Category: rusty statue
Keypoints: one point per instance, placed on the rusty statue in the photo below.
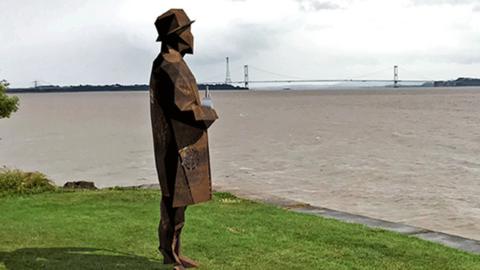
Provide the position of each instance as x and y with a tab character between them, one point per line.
179	123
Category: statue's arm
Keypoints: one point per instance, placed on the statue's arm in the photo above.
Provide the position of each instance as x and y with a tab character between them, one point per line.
199	114
205	114
187	85
179	92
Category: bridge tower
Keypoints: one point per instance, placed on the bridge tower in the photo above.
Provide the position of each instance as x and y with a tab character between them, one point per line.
395	76
245	72
228	78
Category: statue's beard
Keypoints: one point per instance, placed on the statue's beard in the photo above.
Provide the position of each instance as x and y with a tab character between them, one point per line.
185	48
182	45
185	44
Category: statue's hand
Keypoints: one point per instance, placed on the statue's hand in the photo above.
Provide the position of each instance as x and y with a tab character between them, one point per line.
205	114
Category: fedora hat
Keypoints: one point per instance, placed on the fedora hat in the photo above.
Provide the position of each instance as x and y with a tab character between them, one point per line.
171	22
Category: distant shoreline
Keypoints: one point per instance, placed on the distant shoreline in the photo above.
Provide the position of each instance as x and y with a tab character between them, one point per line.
460	82
109	88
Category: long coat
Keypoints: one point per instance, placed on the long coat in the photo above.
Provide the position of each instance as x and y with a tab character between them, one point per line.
180	124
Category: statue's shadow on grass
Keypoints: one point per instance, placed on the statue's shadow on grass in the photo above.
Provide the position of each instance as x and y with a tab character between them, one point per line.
72	258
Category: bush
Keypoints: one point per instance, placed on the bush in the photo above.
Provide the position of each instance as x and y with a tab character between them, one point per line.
16	181
8	105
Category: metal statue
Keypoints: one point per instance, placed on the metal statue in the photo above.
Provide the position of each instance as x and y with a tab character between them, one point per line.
179	123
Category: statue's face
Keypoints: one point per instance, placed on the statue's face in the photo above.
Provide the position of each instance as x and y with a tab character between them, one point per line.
185	44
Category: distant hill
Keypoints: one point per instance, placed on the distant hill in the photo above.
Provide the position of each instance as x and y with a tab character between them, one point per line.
458	82
114	87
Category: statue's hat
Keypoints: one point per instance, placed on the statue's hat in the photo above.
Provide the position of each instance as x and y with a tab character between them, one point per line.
171	22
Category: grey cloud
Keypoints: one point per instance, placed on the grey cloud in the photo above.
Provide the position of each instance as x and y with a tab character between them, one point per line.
317	27
316	5
467	54
440	2
324	5
97	47
247	39
248	43
93	58
452	57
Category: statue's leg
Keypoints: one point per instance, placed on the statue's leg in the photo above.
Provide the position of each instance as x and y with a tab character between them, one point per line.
171	225
179	223
166	230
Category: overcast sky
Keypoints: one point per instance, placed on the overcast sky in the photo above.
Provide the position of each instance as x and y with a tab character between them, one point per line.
113	41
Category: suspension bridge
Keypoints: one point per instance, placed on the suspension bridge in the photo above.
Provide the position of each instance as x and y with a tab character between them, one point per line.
395	81
285	79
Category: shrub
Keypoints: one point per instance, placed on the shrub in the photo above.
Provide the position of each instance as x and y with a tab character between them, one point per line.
17	181
8	105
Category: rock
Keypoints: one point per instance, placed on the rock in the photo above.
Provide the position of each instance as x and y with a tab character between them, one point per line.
80	185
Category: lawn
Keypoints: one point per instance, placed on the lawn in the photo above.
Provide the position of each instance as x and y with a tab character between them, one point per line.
116	229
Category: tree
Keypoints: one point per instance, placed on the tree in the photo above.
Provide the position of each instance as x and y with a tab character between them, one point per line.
8	104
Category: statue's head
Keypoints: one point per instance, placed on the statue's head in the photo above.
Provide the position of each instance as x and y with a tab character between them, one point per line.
174	30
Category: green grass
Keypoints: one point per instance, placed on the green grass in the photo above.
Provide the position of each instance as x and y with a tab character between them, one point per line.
116	229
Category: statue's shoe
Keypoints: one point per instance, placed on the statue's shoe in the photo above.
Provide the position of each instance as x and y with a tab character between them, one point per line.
178	267
188	263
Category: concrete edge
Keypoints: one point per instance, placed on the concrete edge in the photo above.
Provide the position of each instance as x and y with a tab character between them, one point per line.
458	242
453	241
